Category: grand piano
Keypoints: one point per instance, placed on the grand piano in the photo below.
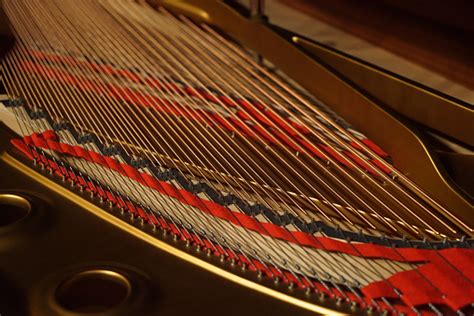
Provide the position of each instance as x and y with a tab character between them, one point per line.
205	157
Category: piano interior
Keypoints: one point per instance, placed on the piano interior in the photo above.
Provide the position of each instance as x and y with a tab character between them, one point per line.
190	157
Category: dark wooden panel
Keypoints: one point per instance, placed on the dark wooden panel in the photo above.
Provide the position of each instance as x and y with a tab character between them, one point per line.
438	37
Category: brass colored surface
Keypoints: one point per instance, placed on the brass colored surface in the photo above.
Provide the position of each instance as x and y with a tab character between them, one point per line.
460	168
409	99
191	10
15	200
410	154
173	279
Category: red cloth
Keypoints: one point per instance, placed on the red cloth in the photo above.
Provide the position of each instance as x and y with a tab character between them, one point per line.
440	276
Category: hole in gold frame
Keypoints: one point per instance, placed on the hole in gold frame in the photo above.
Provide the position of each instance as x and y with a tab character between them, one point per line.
13	208
93	291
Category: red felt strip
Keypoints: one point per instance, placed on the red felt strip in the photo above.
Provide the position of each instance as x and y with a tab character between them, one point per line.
249	108
413	283
376	149
282	124
381	166
312	150
379	289
416	289
269	119
21	146
363	164
336	155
